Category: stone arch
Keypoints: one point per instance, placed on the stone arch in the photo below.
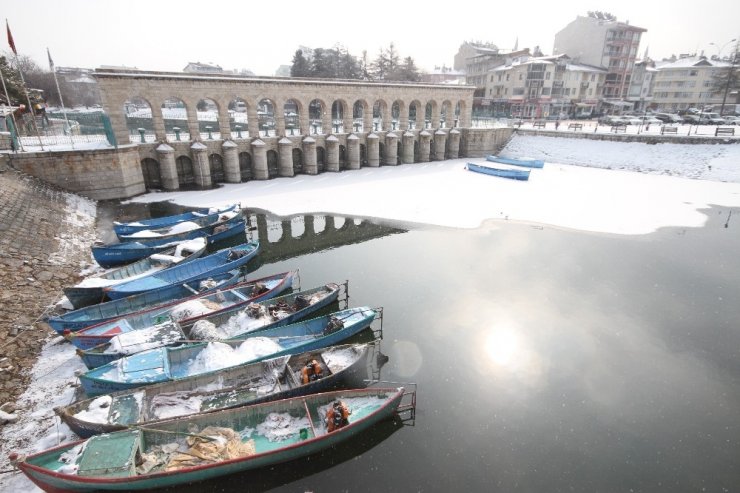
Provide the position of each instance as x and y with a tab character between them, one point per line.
175	116
273	164
152	176
297	161
339	108
292	115
429	111
320	158
206	111
445	115
359	108
217	168
137	112
380	114
316	110
416	115
185	172
397	110
238	117
266	117
246	168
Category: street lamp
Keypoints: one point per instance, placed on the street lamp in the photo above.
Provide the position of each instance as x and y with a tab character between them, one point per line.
730	72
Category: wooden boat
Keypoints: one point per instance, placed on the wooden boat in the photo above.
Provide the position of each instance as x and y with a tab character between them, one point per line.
175	363
94	314
514	174
277	378
127	228
221	261
114	254
239	440
129	336
90	290
528	163
185	310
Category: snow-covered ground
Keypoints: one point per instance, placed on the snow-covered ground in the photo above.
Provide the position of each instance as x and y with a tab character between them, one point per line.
598	186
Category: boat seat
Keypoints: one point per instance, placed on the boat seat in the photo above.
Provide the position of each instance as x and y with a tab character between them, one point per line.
111	456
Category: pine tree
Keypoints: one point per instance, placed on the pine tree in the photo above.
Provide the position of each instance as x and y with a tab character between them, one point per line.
12	83
301	65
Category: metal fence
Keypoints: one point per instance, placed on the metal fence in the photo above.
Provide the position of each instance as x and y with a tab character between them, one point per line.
58	130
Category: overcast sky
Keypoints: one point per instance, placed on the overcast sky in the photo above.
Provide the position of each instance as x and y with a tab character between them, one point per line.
262	35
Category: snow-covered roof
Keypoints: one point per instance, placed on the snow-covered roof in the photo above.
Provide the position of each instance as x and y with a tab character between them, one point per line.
691	61
582	67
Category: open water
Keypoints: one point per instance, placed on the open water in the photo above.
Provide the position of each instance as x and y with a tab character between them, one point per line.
546	360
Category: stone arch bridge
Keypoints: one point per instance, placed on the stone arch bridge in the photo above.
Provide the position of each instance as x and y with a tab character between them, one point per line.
264	127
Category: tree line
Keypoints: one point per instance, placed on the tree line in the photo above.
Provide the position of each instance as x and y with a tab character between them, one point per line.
338	63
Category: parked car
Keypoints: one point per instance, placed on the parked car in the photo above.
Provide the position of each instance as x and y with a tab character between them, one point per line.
650	120
668	117
695	119
612	120
714	119
732	120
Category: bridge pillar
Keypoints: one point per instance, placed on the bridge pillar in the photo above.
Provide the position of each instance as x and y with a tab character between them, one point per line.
367	120
308	226
309	156
407	145
202	169
420	117
231	162
167	167
424	140
224	125
253	124
193	127
286	231
353	145
453	144
440	144
332	153
347	122
280	124
285	150
373	150
158	123
262	229
303	120
326	121
391	149
435	116
403	118
259	153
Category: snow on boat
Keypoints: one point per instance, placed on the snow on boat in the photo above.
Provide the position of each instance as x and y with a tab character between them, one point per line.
135	334
175	363
128	228
221	261
91	289
136	247
94	314
200	447
241	385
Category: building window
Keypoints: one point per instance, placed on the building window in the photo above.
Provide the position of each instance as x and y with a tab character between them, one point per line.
507	77
520	76
693	73
545	91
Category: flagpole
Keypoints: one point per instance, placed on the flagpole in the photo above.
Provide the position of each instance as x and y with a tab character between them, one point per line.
25	89
12	115
61	101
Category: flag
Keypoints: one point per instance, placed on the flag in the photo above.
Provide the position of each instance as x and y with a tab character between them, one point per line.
10	38
51	62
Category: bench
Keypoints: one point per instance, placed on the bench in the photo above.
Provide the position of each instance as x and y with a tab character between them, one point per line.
575	126
538	125
729	131
668	130
618	129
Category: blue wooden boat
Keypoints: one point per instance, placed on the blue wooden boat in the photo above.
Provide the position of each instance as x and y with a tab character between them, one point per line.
113	254
186	310
513	174
127	228
132	335
221	261
194	224
528	163
175	363
109	461
242	385
75	320
91	289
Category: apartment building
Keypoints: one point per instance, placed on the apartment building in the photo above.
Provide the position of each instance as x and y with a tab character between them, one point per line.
544	87
600	40
640	92
687	83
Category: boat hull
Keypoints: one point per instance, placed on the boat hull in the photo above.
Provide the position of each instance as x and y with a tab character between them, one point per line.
527	163
50	480
512	174
129	228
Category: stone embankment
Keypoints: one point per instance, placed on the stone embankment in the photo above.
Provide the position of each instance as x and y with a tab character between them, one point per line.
45	235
